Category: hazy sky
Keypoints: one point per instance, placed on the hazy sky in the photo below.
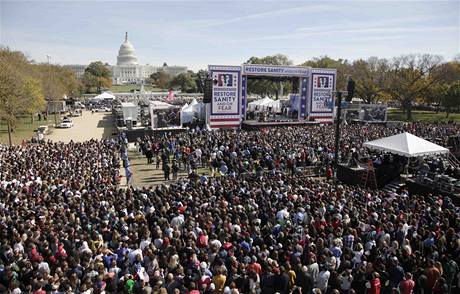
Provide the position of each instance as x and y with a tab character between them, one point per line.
197	33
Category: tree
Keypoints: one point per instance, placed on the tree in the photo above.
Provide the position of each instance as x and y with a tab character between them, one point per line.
269	87
184	82
200	78
33	89
369	76
410	76
451	97
97	76
20	93
160	79
342	66
450	73
10	95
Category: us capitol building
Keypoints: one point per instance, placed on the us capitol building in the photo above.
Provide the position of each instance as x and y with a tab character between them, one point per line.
128	70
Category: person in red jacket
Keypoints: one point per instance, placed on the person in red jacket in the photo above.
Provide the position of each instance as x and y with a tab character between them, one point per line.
407	285
373	286
329	172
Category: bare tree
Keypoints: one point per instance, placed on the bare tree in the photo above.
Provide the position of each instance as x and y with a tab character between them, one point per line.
410	76
370	78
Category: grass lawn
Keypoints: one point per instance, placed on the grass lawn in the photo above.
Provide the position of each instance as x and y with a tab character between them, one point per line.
24	129
129	88
428	116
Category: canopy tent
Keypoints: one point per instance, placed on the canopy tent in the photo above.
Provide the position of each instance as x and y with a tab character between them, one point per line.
275	106
265	103
103	96
407	145
160	105
186	114
195	105
192	110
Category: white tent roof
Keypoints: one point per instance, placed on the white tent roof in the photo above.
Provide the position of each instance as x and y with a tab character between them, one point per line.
194	102
160	105
407	145
104	95
264	101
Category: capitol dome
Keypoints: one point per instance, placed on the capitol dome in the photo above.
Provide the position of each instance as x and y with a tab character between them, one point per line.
126	54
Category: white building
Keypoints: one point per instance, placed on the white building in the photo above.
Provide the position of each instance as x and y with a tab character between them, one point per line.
128	70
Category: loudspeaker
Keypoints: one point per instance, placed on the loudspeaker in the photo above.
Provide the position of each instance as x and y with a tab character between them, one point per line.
207	95
350	89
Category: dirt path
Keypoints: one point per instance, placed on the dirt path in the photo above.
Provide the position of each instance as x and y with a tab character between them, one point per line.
88	126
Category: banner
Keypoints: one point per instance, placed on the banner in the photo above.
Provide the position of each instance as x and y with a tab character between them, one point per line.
275	70
322	99
225	93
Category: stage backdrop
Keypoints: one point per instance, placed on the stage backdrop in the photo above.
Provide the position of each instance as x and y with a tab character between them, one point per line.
225	110
321	100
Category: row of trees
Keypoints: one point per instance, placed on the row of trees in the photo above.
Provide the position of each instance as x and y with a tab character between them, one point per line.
405	79
25	86
189	82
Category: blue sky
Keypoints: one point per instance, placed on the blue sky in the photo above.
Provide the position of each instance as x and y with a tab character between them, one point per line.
197	33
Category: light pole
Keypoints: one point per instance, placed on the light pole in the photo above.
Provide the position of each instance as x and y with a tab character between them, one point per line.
337	129
349	95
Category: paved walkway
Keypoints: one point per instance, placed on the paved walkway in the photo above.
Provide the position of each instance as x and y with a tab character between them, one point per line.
88	126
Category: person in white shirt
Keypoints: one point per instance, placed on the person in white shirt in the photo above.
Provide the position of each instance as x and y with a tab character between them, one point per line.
323	280
345	280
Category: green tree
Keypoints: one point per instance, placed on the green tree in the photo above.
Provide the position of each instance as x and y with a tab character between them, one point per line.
269	87
20	92
97	76
342	65
33	89
184	82
160	79
451	97
200	78
369	76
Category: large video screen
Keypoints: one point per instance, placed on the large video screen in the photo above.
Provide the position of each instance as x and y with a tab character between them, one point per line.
166	118
374	113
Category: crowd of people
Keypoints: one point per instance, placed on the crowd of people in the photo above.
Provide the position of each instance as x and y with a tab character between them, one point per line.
259	227
287	149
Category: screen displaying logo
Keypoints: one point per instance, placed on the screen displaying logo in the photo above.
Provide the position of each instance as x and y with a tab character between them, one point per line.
323	82
225	80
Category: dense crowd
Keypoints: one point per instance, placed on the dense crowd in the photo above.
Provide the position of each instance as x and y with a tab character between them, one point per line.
66	227
275	149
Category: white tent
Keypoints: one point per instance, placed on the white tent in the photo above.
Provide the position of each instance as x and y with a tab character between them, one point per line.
195	105
407	145
186	114
160	105
275	106
262	104
104	95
